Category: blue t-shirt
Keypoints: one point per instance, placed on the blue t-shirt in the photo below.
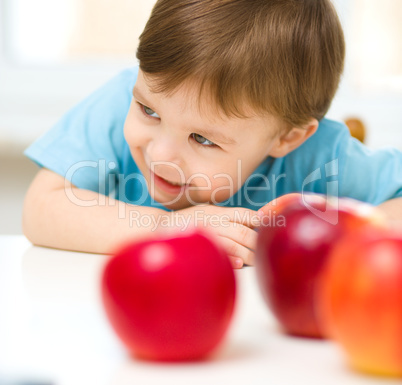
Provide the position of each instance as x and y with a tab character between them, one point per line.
87	147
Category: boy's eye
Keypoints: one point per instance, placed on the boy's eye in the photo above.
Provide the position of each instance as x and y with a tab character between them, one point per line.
201	140
148	111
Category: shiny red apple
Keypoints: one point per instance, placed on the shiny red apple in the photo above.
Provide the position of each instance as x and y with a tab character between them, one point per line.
170	299
360	301
292	250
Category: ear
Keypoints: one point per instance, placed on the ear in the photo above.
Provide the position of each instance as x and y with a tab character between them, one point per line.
292	139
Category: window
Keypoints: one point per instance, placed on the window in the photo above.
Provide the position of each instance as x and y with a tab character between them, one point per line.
376	44
46	32
53	53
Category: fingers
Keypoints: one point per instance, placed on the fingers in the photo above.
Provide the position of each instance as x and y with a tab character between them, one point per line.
233	228
239	215
235	232
239	242
237	263
237	250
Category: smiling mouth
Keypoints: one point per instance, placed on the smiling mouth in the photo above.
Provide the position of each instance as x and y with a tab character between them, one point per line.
172	183
166	184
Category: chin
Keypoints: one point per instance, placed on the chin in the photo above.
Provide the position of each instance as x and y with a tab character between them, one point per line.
182	203
171	203
177	205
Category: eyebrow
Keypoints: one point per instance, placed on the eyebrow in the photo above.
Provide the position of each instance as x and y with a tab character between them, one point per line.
214	136
139	95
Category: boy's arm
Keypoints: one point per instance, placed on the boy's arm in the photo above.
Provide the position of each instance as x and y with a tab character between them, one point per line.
60	215
57	214
392	209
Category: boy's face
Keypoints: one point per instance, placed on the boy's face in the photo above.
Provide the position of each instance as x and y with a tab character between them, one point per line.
188	155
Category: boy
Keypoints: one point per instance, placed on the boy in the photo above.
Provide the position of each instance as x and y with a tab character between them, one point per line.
226	114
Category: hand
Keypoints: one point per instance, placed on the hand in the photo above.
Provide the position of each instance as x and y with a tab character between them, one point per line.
233	228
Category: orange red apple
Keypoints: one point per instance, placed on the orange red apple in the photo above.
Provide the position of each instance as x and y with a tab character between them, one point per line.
360	301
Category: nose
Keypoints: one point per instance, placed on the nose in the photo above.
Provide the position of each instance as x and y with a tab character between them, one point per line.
163	153
163	148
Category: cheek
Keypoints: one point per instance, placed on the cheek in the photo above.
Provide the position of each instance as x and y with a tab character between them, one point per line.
234	174
218	182
134	131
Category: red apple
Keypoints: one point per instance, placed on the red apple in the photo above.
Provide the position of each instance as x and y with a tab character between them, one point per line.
279	203
170	299
292	249
360	301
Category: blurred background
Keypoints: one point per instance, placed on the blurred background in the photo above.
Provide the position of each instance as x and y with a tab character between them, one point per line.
53	53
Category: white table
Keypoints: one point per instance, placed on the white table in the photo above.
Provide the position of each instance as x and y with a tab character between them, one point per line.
53	331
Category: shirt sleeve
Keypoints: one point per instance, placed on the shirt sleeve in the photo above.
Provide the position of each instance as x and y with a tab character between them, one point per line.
86	145
369	175
334	163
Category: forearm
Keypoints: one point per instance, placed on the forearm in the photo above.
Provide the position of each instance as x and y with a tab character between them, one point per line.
85	221
393	210
59	215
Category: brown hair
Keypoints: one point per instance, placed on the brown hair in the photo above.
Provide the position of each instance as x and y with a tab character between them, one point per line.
283	57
